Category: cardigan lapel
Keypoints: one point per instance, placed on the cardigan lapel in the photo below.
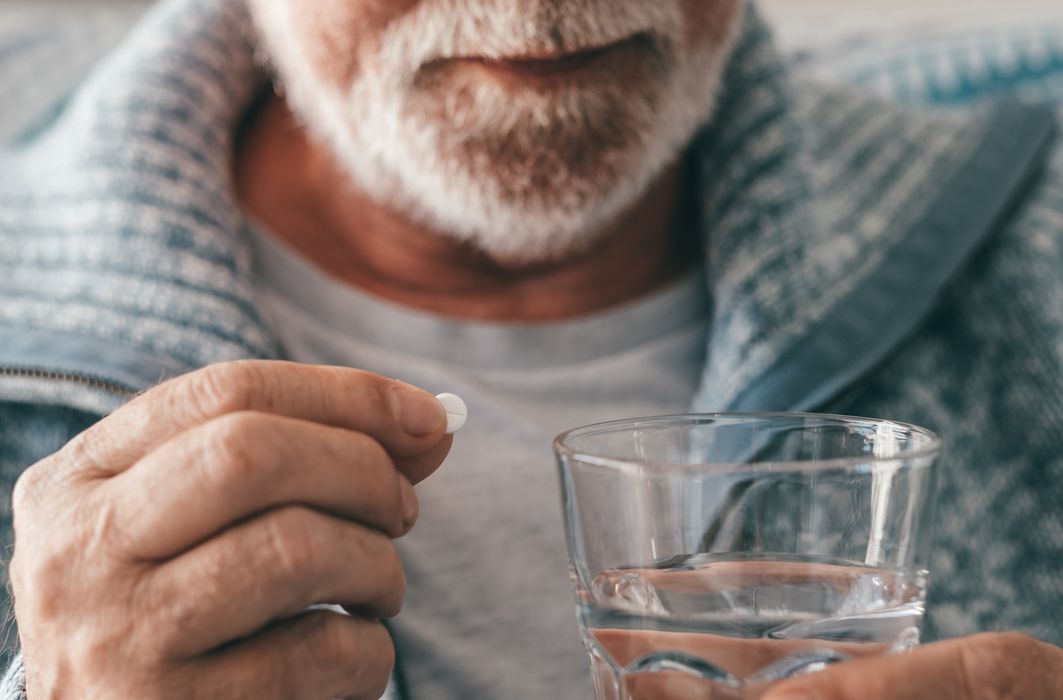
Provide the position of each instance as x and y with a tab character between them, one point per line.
833	221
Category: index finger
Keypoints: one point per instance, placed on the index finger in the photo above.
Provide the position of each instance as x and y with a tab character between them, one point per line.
406	420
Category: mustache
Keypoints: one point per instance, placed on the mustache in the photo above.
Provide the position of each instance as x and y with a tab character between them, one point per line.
504	29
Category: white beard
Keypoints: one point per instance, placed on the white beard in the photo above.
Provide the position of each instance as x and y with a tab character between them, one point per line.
490	165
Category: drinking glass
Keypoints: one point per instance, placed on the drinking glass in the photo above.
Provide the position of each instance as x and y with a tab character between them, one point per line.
713	555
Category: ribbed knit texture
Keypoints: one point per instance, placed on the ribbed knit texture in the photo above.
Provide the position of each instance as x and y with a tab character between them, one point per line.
930	51
987	371
146	173
121	249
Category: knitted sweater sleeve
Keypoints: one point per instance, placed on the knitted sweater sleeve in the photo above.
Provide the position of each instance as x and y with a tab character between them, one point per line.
48	48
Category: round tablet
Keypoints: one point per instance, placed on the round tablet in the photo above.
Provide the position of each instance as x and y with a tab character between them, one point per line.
457	412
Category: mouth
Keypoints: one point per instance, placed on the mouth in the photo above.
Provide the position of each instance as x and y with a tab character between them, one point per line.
546	66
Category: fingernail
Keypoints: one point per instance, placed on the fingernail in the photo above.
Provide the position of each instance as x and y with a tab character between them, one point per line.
410	505
418	412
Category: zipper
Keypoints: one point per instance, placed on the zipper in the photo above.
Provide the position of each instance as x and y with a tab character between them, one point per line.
112	388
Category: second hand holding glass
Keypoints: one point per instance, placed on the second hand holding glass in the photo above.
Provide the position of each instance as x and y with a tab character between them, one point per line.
713	555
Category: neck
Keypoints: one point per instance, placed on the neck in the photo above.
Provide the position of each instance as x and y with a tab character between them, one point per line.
292	186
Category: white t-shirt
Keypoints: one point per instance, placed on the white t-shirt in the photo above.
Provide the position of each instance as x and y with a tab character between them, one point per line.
489	610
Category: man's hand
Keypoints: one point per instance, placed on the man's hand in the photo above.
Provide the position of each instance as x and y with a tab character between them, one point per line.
985	667
171	551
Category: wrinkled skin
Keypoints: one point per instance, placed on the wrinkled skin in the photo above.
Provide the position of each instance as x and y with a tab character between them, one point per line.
172	550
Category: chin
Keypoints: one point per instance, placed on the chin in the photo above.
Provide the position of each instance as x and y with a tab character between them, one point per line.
525	175
525	164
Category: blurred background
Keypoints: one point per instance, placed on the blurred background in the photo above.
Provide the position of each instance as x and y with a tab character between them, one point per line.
937	50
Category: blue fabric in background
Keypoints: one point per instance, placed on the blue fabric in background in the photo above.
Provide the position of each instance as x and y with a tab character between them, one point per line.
1026	65
921	60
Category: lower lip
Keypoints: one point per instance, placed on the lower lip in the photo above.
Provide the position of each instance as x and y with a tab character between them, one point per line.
569	66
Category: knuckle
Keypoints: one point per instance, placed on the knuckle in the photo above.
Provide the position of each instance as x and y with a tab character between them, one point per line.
102	533
222	388
98	647
1013	643
377	676
233	444
407	520
36	482
80	453
381	391
337	643
380	484
44	556
50	572
39	585
380	398
393	576
26	494
365	653
296	546
988	664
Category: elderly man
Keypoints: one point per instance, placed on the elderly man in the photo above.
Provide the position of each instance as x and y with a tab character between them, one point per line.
565	211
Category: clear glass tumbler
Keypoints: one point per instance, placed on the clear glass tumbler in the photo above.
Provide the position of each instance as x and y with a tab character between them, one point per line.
713	555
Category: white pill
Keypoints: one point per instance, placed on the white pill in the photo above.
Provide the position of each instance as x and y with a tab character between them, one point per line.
457	412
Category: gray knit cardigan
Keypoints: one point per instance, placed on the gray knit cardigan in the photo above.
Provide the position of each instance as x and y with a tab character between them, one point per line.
863	258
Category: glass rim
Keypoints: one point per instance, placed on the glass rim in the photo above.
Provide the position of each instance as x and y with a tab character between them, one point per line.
931	449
